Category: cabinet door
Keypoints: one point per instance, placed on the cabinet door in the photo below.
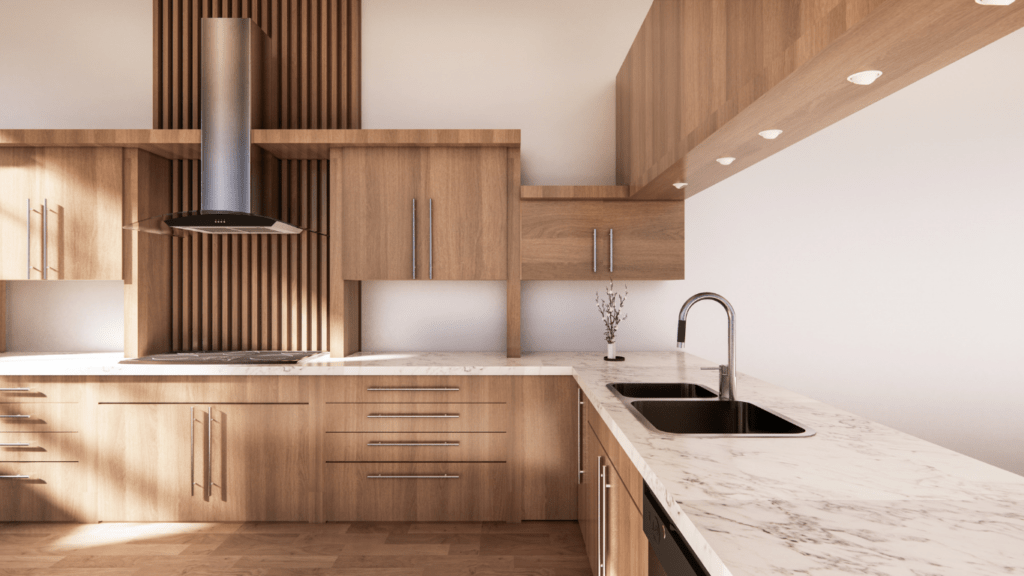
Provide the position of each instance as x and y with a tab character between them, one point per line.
464	220
21	226
259	463
641	241
627	543
83	188
149	458
588	504
560	240
378	186
546	417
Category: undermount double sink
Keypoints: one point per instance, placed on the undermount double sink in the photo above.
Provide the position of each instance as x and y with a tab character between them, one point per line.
693	410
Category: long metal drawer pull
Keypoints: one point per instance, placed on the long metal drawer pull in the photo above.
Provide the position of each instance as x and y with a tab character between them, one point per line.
46	211
412	444
15	389
14	445
611	250
430	237
412	415
17	476
595	250
412	389
414	477
14	416
413	238
28	226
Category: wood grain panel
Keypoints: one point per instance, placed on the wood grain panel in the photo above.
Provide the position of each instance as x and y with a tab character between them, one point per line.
418	389
51	493
703	77
545	416
149	295
575	192
41	447
248	292
41	417
40	389
479	493
513	290
203	390
415	447
3	316
416	417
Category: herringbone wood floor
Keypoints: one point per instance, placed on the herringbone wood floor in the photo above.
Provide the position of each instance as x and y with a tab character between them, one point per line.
369	549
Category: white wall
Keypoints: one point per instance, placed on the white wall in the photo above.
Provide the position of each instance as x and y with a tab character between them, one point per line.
879	265
73	64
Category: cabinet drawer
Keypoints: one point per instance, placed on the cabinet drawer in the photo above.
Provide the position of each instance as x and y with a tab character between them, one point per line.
416	417
415	447
40	447
418	389
35	389
423	492
38	417
39	492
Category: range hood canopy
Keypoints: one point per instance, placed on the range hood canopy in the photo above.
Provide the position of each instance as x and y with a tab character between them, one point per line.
240	182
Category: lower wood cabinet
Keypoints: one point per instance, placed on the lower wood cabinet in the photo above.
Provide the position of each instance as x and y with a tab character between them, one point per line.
612	523
232	462
424	491
41	491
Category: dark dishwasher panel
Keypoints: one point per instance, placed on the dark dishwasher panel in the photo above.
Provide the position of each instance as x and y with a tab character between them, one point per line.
667	546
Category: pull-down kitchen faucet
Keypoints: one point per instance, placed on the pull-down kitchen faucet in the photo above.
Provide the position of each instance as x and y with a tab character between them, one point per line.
727	373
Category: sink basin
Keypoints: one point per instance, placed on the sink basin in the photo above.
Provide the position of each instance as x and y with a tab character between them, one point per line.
715	418
673	390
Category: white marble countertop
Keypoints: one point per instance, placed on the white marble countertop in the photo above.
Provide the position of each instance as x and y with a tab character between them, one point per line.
856	498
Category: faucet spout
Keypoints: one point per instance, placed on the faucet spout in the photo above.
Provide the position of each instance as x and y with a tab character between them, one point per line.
727	378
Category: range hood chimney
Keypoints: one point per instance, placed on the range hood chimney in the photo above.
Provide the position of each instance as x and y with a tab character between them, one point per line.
240	184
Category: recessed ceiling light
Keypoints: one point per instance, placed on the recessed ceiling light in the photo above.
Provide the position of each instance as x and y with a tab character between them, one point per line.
726	161
864	78
994	2
680	185
770	134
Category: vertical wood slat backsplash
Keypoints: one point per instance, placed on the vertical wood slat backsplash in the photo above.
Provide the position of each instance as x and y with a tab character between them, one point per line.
262	292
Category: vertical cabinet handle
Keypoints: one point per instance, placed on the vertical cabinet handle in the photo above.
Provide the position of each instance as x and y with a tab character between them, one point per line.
28	226
611	250
192	447
602	518
579	436
430	237
46	212
209	455
595	250
413	238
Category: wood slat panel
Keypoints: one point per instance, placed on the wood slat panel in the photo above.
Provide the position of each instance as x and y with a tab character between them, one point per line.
241	292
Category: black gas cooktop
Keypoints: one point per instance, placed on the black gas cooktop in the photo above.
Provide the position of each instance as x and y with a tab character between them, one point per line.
238	357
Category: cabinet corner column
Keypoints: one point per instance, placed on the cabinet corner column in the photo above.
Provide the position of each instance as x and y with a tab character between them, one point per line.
345	295
514	294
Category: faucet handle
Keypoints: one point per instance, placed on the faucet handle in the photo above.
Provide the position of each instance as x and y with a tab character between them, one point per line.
722	369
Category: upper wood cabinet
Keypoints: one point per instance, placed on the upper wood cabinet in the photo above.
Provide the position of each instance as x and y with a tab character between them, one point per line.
66	201
423	213
593	240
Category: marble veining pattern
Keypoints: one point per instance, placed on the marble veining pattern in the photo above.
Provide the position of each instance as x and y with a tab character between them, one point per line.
856	498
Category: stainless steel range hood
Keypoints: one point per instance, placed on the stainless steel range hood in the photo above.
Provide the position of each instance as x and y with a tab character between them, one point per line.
240	183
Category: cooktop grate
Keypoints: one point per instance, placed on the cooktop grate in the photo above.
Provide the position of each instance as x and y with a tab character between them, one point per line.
235	357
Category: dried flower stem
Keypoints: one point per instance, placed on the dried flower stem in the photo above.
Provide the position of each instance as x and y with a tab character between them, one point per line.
611	310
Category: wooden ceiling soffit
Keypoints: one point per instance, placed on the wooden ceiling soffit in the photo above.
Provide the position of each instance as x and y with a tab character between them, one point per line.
704	77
